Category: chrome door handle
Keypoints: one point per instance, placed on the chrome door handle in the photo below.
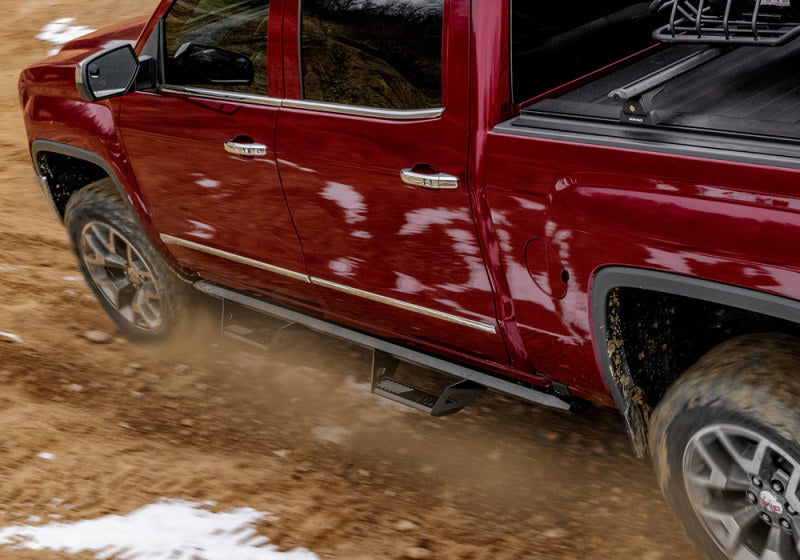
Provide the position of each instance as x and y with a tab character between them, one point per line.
247	149
430	181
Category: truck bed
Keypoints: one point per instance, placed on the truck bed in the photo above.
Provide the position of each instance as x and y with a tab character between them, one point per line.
748	92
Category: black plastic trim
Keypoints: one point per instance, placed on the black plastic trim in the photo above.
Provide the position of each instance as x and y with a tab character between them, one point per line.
708	145
610	278
39	146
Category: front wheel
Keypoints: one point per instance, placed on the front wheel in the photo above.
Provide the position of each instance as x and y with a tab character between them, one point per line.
725	445
133	282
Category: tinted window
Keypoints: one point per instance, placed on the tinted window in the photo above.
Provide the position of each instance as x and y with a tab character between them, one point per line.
555	42
239	26
373	53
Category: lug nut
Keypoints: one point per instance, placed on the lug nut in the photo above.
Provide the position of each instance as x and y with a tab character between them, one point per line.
751	497
777	486
790	510
765	518
757	481
785	524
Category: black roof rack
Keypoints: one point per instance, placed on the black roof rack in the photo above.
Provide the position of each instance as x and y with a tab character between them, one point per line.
732	22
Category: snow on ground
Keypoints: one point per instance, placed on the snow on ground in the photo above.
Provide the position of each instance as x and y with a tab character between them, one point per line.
11	336
172	529
61	31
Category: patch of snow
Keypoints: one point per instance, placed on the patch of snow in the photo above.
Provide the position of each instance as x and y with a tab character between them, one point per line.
173	529
332	434
73	293
74	279
61	31
46	456
11	337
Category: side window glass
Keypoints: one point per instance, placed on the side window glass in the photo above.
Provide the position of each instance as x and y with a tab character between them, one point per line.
218	44
373	53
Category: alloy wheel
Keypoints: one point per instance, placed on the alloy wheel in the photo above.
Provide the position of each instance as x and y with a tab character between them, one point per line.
121	275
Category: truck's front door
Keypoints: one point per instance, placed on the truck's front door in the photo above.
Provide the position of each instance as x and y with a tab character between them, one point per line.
220	212
375	88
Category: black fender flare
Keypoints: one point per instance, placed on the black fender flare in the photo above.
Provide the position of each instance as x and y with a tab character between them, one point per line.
38	146
606	328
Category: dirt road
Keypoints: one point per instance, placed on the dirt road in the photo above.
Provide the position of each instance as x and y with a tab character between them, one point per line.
347	474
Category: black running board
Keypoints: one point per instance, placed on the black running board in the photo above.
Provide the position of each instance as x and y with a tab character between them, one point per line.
454	398
516	389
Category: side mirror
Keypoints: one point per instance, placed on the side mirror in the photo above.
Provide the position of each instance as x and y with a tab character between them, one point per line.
109	73
214	66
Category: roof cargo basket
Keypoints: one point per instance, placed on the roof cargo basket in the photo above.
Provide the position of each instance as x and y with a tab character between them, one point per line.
732	22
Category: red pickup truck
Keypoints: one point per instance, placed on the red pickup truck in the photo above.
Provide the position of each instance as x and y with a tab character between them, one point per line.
569	202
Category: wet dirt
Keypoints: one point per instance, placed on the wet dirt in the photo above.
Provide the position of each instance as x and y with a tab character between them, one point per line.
348	474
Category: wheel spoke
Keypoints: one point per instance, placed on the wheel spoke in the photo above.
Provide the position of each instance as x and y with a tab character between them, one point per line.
129	256
748	466
101	255
143	310
736	524
113	288
719	478
105	240
791	490
115	261
97	248
144	273
778	545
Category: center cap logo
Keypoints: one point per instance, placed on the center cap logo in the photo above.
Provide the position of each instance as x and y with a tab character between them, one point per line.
770	502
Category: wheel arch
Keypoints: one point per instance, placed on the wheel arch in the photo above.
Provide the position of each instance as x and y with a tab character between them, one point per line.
40	148
609	337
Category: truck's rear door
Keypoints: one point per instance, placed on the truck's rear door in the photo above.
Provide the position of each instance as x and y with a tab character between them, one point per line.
375	88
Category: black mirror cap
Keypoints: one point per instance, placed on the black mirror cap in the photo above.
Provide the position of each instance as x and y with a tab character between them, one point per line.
109	73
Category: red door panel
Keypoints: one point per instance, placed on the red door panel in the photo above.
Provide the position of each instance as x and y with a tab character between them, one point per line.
198	192
386	253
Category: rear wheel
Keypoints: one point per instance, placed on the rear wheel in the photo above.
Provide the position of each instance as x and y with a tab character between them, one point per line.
724	441
130	278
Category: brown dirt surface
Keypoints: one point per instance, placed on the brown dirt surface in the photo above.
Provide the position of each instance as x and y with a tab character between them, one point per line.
296	434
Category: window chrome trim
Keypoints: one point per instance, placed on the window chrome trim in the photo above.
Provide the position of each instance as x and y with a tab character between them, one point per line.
405	305
223	95
359	111
170	240
319	106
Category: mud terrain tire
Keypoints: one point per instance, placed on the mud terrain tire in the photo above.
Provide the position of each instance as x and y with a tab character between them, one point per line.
724	442
139	290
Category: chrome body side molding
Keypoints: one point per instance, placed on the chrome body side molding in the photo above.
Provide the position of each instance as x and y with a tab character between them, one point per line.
441	315
477	325
170	240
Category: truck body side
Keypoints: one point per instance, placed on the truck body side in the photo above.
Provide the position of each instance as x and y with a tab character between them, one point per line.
551	217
